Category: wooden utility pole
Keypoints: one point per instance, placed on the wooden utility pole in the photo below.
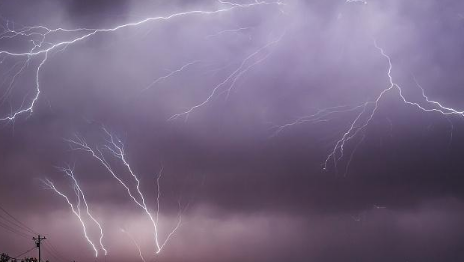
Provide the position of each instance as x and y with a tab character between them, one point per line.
38	241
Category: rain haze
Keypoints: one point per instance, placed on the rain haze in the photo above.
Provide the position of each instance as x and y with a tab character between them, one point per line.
232	131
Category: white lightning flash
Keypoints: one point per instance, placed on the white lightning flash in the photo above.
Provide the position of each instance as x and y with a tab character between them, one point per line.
69	172
75	209
116	149
366	113
364	118
43	44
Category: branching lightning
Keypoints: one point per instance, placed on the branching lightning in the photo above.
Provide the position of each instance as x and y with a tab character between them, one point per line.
75	209
365	115
69	172
42	46
250	61
41	50
115	148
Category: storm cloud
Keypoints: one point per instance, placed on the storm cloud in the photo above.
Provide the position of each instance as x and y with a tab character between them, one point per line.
246	192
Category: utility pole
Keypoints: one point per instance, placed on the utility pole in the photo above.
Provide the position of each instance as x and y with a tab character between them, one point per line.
38	241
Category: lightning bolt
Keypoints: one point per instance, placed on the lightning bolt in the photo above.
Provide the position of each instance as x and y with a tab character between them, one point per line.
366	113
41	47
359	124
115	148
75	209
69	172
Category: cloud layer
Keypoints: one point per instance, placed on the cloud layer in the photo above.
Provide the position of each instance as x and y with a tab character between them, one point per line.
251	195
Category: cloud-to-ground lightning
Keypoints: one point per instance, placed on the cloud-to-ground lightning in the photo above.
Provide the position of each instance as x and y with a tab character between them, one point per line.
43	45
115	148
69	172
307	43
75	208
41	50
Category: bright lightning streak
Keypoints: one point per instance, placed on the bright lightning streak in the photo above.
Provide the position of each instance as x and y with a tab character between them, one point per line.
359	125
82	145
30	108
116	148
366	114
69	172
75	210
42	48
436	106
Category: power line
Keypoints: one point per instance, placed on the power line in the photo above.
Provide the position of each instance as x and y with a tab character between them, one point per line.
20	223
14	224
54	252
17	257
57	252
51	253
13	227
13	230
18	228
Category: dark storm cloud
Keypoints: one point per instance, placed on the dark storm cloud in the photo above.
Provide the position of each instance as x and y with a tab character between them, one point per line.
90	13
253	196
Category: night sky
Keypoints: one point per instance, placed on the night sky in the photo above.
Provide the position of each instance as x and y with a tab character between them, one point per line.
271	129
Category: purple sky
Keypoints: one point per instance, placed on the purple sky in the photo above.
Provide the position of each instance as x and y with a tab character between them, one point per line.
246	189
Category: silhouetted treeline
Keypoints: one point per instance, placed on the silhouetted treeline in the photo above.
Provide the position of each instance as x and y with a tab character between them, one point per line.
6	258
